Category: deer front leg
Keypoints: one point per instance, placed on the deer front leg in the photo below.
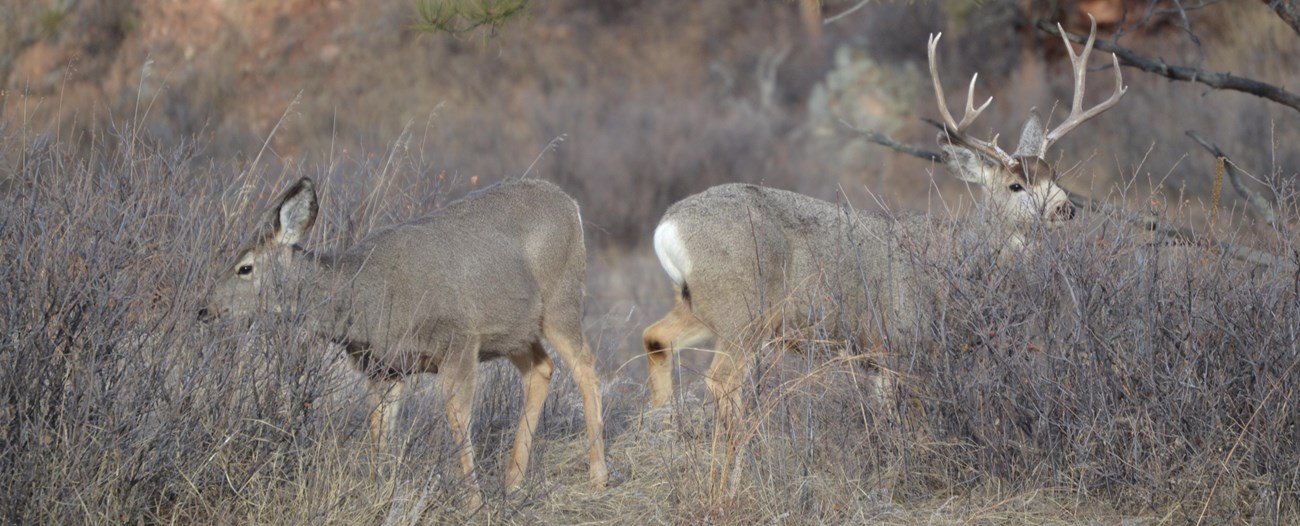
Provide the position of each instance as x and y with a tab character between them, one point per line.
385	403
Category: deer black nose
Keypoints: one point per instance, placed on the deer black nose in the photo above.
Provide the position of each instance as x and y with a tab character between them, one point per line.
205	315
1065	211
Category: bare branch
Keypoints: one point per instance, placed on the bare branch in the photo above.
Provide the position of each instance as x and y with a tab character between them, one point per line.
828	20
1210	78
889	142
1260	204
1187	26
1288	11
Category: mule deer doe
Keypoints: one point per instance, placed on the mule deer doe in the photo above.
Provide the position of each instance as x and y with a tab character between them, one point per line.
738	254
485	277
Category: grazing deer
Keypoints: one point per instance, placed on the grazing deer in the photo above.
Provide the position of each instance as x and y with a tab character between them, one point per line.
485	277
742	257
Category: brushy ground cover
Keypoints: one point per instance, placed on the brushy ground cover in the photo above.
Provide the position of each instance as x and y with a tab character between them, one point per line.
1098	377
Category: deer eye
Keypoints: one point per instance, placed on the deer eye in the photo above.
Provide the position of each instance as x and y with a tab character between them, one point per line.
244	270
1015	187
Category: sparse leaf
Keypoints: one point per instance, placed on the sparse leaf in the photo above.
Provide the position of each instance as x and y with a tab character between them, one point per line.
462	16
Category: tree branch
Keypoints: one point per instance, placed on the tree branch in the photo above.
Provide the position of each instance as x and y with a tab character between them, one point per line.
887	141
828	20
1213	79
1288	11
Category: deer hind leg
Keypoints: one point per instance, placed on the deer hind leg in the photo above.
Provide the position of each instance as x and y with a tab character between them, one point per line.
565	333
385	402
536	368
678	329
459	378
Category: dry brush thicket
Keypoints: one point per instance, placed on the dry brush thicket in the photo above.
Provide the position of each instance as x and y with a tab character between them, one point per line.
1102	376
1100	371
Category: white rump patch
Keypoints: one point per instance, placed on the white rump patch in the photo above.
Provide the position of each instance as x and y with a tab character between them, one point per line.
672	252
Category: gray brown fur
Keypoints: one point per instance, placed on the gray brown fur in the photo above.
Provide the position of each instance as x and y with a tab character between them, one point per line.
767	262
488	276
752	264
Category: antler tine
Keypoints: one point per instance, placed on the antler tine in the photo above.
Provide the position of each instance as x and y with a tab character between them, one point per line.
972	112
1079	65
958	129
938	86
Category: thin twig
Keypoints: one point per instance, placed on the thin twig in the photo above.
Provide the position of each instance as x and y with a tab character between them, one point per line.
550	147
828	20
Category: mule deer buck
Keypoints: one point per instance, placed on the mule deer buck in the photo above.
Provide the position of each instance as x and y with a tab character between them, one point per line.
741	257
485	277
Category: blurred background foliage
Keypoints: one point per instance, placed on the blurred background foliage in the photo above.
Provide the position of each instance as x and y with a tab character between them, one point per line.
653	100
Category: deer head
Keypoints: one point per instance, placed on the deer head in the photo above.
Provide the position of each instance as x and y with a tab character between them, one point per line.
267	264
1020	186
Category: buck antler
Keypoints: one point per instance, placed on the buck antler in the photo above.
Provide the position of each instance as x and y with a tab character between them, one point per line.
957	130
1079	64
1077	115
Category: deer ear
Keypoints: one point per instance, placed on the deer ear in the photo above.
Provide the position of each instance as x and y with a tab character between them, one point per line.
1031	137
296	213
968	165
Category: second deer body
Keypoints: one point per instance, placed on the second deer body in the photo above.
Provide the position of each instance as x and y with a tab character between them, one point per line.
749	263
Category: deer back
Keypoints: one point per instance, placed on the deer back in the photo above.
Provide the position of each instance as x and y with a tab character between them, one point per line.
740	253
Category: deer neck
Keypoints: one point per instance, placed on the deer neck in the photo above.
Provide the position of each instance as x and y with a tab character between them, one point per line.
322	298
